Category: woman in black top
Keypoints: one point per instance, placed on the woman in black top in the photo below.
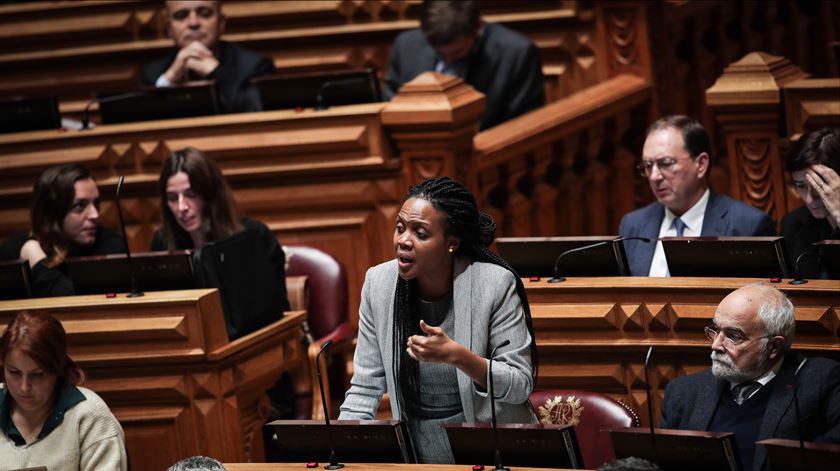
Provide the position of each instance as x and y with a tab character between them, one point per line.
198	214
65	223
814	164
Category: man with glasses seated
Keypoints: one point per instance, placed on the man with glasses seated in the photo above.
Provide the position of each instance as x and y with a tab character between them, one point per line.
676	159
749	389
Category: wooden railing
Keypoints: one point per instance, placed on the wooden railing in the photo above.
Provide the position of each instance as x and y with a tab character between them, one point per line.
565	169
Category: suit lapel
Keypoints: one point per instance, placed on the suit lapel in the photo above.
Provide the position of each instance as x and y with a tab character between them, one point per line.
706	404
781	399
714	222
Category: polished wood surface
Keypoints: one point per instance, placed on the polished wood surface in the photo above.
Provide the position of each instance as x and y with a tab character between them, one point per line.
163	364
364	466
593	333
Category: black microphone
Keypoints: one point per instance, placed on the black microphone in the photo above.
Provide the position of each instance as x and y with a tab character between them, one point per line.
333	463
498	453
796	410
557	278
797	271
650	404
321	104
134	291
108	99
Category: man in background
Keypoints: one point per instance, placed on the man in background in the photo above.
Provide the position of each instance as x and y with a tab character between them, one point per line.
500	63
199	54
676	160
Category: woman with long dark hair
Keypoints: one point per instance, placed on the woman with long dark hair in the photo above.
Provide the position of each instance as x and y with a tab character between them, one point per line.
64	221
199	211
46	418
430	318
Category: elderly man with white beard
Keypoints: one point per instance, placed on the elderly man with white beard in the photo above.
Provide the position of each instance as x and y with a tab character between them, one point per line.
749	388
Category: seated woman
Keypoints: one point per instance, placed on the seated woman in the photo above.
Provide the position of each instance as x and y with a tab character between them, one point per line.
198	211
814	164
430	318
45	418
65	223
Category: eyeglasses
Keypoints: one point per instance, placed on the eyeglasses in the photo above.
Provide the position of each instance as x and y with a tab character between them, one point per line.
730	338
664	164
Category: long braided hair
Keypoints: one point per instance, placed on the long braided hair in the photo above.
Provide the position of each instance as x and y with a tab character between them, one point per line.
475	231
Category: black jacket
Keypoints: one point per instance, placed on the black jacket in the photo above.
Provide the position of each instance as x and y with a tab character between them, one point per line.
801	230
52	281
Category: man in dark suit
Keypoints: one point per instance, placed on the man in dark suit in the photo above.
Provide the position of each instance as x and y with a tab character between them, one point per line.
199	55
676	161
749	389
500	63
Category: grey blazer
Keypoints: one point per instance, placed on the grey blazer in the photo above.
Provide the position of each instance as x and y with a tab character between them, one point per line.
487	312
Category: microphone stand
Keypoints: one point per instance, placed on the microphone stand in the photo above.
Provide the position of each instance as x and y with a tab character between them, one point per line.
134	290
558	279
333	463
798	279
796	409
650	404
498	453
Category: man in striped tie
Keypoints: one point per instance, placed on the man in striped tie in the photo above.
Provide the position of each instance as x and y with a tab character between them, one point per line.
749	388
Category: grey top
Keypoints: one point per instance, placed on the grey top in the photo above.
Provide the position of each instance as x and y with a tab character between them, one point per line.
487	311
440	400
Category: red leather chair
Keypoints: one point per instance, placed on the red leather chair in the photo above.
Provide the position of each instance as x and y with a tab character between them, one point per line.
591	413
328	320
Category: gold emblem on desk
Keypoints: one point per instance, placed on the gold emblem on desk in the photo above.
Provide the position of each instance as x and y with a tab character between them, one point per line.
561	412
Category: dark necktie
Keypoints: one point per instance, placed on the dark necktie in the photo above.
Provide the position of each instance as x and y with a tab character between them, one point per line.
743	391
679	225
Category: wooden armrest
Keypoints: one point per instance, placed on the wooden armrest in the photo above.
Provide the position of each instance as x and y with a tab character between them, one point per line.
297	290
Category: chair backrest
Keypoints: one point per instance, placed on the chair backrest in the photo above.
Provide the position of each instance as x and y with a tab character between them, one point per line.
327	286
591	413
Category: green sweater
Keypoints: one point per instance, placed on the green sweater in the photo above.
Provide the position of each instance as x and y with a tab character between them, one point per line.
84	436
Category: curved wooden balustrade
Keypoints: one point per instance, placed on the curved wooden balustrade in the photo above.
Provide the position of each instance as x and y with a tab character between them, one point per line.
565	169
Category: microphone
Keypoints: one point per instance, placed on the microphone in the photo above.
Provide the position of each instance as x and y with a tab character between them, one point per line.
498	453
321	104
333	463
108	99
650	404
558	279
797	272
134	291
796	410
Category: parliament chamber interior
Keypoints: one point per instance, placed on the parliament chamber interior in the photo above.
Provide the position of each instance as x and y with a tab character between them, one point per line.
325	160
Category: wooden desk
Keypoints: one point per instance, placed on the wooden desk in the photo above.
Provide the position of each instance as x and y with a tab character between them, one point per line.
593	333
364	466
164	365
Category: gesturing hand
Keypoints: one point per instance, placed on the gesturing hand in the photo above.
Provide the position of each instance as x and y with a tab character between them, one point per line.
826	183
434	347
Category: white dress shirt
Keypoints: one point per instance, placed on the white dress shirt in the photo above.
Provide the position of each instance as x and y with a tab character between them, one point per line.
693	219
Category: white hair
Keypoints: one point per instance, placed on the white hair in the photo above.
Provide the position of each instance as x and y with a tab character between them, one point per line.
776	312
197	463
